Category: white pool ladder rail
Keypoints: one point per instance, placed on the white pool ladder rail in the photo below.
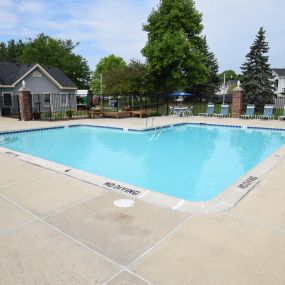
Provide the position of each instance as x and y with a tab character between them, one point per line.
157	128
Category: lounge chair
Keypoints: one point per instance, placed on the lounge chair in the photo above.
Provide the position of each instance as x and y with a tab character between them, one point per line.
224	111
267	112
249	114
188	111
171	111
210	111
282	117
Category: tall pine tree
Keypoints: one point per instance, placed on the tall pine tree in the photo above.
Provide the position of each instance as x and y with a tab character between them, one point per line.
257	74
208	89
174	50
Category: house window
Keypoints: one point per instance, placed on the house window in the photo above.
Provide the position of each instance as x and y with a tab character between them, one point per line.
47	100
7	99
63	99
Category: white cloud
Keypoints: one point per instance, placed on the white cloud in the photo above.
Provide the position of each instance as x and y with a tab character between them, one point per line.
30	7
8	21
112	26
231	27
4	4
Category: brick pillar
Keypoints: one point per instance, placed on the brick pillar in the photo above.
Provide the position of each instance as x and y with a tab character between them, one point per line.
238	93
25	103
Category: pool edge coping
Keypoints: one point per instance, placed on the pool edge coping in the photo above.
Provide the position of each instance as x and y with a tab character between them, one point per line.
225	200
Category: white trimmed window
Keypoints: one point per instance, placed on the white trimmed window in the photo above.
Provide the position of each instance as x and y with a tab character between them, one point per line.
63	99
7	99
47	99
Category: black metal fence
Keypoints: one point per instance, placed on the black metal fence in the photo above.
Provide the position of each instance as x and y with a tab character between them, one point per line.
9	105
69	106
56	107
149	104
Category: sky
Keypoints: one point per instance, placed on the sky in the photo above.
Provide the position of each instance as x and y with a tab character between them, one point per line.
104	27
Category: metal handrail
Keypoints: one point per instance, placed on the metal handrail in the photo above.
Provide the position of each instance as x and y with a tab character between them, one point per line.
146	122
157	130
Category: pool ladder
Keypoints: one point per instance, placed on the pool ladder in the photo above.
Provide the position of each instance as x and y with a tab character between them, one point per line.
157	128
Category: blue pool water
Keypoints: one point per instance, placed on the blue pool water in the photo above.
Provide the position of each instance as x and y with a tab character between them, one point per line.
191	162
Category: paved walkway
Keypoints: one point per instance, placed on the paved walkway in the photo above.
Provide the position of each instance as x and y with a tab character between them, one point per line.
58	230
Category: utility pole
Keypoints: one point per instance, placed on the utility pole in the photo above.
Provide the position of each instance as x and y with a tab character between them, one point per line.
224	89
101	89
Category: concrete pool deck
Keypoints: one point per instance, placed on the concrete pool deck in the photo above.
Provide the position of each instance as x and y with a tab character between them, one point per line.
55	229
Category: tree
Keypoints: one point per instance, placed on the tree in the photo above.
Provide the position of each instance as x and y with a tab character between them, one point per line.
3	51
106	64
11	51
130	79
229	75
208	89
256	73
48	51
174	50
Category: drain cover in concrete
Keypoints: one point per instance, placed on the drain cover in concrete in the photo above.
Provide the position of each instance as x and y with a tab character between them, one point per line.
124	203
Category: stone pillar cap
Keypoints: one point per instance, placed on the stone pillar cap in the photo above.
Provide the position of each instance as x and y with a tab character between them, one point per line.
24	88
238	88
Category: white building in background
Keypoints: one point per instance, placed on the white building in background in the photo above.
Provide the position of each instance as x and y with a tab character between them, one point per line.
279	81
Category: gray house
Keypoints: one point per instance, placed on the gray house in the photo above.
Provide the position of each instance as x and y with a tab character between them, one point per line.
51	89
279	81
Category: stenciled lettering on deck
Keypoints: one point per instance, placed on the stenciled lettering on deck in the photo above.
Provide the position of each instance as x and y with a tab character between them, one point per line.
121	188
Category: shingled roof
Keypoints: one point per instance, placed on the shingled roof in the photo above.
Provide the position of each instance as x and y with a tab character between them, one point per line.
12	72
279	71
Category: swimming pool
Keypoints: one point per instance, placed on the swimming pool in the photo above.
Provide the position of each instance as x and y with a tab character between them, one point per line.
191	162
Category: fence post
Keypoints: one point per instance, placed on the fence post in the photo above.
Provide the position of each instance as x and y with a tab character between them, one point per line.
19	113
167	105
25	103
157	104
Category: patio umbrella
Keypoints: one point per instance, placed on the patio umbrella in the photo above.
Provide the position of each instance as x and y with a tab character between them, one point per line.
180	94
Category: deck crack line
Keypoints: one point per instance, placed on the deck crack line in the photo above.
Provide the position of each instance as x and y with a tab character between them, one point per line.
205	208
22	182
18	227
252	221
74	239
161	240
223	202
73	205
112	277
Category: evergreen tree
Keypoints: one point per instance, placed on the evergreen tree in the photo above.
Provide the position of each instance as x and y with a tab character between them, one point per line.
257	75
209	88
174	50
11	51
3	51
